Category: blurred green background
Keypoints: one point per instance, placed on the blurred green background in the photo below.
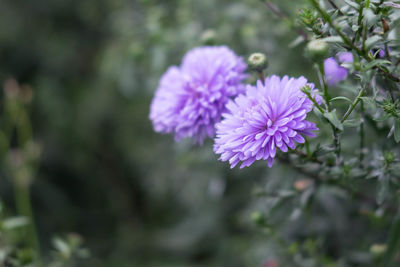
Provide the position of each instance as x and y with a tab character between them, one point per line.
136	197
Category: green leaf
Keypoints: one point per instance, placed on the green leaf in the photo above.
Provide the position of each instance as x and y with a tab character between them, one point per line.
333	39
383	189
372	41
15	222
381	119
376	62
397	130
332	118
391	4
340	98
62	246
369	103
370	17
352	123
296	42
352	4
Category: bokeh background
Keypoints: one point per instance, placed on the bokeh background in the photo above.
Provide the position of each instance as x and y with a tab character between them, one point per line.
136	197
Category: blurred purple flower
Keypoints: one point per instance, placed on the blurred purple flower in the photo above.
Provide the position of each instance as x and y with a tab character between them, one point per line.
382	52
191	98
334	73
269	116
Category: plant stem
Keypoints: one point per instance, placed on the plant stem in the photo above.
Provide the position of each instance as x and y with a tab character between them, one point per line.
333	4
362	135
315	103
24	208
353	105
327	97
307	145
321	75
22	173
261	76
274	9
359	23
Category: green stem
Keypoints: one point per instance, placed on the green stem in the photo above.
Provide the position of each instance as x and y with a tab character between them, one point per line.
321	74
359	23
314	101
362	135
353	105
19	120
307	145
24	208
261	76
327	97
336	144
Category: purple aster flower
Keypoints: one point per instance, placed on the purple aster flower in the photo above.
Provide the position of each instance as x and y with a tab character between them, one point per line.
335	73
269	116
191	98
382	52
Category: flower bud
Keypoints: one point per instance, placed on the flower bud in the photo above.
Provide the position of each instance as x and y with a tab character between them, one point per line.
11	88
209	37
257	218
389	157
317	50
391	108
385	26
258	62
378	249
303	184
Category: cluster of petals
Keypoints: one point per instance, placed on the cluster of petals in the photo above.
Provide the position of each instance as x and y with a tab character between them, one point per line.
269	116
190	98
334	72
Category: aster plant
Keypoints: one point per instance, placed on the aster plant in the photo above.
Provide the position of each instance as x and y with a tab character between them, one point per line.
270	116
354	49
191	98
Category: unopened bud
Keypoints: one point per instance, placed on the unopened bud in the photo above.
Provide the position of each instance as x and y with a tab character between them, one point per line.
317	50
303	184
389	157
209	37
385	26
258	62
11	88
257	218
378	249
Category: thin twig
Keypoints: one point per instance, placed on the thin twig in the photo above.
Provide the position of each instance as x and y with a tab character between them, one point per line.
275	9
333	4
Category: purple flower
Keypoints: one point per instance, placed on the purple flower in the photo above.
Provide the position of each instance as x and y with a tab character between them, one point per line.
191	98
382	52
269	116
334	73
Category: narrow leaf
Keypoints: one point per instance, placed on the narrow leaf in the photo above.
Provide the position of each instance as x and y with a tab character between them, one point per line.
332	118
340	98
